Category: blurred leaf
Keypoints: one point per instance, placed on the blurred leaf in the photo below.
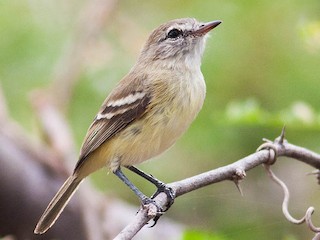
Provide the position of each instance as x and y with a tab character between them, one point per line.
200	235
249	111
310	33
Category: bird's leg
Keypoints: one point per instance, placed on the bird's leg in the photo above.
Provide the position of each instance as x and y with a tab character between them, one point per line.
143	198
161	187
124	179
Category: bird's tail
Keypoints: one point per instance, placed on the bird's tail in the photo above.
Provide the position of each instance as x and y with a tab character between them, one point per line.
57	204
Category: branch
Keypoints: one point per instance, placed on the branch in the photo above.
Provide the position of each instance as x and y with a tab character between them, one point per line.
88	30
234	172
26	182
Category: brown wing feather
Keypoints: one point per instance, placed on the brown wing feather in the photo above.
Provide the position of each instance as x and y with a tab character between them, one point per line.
119	117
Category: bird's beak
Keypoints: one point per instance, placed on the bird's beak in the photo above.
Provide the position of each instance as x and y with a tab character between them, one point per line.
206	27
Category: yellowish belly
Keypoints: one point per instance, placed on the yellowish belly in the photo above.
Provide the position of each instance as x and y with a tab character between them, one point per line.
149	136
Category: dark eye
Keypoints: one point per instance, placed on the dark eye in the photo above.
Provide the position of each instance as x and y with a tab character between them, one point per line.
174	33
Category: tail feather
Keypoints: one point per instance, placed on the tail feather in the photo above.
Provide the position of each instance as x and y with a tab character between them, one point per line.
57	204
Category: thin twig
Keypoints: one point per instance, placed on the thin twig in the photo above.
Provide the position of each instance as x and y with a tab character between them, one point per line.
285	204
316	236
283	148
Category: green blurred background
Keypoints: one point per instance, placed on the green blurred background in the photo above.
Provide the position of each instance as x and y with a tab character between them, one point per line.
262	69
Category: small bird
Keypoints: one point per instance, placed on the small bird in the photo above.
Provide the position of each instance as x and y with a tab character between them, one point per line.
144	115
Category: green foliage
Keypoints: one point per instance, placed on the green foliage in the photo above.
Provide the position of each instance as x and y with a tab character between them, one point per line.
199	235
250	111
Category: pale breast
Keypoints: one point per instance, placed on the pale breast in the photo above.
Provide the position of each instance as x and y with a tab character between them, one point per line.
168	119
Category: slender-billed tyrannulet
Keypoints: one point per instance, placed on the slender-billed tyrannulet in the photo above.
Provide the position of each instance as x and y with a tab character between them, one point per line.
150	108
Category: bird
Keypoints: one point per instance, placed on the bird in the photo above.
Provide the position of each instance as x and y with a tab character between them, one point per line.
145	114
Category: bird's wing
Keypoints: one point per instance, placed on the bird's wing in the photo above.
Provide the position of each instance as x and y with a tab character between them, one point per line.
117	112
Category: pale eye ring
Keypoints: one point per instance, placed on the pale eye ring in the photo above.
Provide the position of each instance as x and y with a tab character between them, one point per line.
174	33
